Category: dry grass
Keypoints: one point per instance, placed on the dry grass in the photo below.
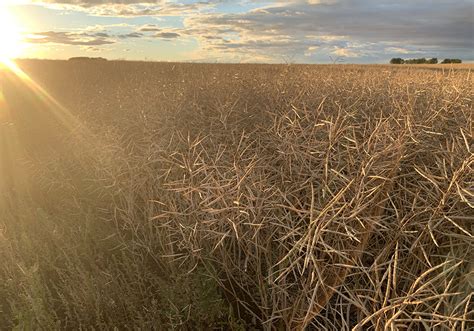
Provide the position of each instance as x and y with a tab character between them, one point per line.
236	196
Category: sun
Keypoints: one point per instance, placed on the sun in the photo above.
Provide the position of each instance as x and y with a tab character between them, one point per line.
11	44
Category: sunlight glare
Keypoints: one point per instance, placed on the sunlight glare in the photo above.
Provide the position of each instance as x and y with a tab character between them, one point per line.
11	44
58	110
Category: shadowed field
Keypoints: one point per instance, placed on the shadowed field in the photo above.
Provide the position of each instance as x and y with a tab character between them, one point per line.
198	196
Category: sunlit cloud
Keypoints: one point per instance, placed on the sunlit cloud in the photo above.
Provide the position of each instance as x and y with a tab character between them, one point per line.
130	8
70	38
401	50
345	52
313	31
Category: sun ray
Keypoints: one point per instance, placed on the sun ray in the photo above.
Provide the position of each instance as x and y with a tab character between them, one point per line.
43	96
36	109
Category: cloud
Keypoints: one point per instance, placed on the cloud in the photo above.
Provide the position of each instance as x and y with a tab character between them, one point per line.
69	38
95	36
311	51
150	28
307	30
167	35
345	52
130	8
83	38
401	50
92	49
130	35
102	35
89	3
347	28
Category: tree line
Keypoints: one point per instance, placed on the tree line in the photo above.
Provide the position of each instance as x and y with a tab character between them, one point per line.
85	58
397	60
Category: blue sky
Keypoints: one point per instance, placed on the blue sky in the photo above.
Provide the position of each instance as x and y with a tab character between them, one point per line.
306	31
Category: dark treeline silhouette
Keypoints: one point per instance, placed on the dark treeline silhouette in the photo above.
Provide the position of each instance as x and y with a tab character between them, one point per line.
452	61
398	60
421	61
85	58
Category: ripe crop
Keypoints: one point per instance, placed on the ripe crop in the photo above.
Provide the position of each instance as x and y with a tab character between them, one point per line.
199	196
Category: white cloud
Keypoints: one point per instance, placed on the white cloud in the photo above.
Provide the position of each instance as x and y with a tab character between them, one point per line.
400	50
311	51
345	52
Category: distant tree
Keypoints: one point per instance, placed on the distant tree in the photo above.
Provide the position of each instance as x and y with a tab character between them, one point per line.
416	61
397	60
451	61
433	60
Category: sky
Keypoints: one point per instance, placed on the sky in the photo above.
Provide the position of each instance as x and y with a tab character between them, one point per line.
293	31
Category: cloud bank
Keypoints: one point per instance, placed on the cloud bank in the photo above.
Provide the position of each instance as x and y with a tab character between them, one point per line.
307	30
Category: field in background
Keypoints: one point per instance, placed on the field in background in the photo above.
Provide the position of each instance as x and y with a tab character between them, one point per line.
198	196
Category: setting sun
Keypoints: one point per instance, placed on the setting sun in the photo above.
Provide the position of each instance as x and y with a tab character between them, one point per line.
10	35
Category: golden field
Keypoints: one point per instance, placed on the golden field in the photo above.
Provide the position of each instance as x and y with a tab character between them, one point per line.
142	195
